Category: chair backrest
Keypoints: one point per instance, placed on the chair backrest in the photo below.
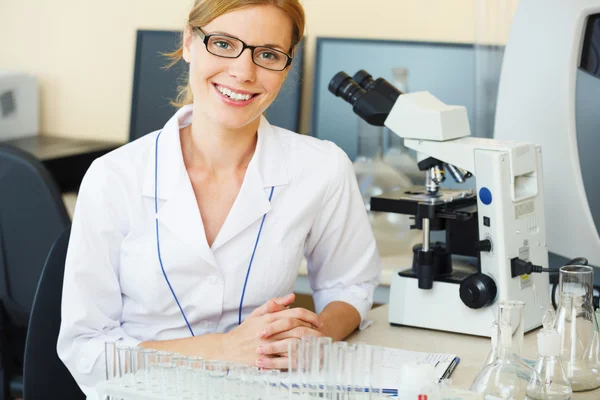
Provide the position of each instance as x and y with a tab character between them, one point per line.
32	216
44	374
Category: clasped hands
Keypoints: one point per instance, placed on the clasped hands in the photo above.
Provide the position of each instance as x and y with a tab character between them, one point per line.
262	338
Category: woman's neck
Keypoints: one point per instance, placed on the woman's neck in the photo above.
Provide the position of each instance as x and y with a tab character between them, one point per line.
215	149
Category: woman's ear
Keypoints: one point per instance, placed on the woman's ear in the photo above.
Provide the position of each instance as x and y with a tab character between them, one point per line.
187	43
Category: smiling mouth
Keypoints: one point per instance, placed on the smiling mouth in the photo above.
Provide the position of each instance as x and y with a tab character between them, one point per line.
234	95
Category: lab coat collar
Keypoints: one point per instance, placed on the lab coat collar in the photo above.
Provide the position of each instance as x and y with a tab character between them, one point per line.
180	212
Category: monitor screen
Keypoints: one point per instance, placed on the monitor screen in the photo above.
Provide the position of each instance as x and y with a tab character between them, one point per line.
154	86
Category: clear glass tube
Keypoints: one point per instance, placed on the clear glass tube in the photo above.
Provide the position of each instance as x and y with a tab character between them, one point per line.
233	381
215	378
272	384
294	368
309	364
153	378
252	383
339	355
198	376
138	367
110	358
577	325
124	365
182	374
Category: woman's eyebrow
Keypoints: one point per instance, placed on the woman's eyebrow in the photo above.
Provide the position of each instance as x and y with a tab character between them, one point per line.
235	37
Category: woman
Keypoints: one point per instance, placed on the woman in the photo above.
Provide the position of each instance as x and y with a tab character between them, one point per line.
189	239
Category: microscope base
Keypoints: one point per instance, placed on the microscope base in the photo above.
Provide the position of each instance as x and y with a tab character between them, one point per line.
442	309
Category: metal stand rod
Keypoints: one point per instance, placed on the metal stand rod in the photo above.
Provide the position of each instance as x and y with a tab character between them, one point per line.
425	246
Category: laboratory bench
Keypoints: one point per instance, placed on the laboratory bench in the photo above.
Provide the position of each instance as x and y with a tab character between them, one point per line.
471	350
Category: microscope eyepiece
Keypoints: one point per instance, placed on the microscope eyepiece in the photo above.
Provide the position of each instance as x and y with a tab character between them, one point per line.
342	85
364	79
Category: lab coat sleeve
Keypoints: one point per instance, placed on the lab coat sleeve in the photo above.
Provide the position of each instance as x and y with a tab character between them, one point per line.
342	257
91	301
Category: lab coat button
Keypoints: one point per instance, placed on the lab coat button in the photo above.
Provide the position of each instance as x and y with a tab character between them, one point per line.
213	279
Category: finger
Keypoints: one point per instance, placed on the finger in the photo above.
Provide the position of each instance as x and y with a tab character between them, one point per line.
272	362
297	313
297	333
274	305
279	348
282	325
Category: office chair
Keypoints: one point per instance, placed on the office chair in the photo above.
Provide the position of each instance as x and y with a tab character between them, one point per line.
32	216
43	372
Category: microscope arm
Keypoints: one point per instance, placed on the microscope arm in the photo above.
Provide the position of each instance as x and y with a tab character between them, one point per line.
437	130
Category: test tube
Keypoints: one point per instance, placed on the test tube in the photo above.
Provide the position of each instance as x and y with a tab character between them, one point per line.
251	383
215	373
124	363
233	381
167	372
138	367
361	361
152	376
309	366
294	368
322	364
198	377
272	382
110	357
180	363
339	365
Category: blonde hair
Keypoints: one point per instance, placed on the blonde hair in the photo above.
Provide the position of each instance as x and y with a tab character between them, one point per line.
205	11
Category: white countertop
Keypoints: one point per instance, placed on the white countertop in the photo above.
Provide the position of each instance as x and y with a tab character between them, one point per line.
471	350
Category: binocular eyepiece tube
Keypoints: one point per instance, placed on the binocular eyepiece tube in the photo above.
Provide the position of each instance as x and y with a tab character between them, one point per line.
371	99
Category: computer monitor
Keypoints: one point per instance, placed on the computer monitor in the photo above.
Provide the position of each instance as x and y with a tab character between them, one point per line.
154	86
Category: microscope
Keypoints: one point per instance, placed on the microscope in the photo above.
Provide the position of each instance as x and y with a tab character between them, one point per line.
495	247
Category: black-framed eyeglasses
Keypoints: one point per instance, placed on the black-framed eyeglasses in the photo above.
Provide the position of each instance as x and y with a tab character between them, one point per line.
230	47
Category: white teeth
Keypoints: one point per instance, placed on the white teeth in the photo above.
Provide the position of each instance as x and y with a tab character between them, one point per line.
232	94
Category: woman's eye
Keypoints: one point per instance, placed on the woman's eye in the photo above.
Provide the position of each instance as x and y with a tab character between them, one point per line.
269	55
222	45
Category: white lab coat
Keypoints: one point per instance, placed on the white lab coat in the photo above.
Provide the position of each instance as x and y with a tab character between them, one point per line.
114	288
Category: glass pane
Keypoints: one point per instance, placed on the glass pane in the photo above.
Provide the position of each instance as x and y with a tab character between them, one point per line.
224	46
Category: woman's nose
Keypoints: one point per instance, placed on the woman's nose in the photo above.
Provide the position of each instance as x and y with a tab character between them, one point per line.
243	67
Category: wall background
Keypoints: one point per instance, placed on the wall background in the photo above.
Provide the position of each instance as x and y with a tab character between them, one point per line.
82	51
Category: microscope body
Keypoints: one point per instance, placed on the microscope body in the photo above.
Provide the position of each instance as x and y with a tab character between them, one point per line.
503	222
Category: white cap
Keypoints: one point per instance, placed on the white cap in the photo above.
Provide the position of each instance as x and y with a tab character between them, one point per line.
548	343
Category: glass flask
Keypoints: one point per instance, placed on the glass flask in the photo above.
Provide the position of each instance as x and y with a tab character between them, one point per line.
508	377
576	323
555	384
493	354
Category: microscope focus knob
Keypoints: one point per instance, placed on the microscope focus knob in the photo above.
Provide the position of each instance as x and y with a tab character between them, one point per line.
484	245
478	290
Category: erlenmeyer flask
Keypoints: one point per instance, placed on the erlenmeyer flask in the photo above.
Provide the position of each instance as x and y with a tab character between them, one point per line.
508	377
576	323
493	354
555	384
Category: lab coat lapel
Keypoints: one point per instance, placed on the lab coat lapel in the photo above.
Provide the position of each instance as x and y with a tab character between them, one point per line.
266	169
178	211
